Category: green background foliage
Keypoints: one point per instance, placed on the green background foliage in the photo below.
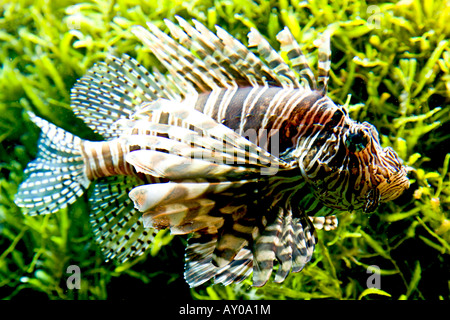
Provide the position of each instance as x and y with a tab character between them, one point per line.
390	67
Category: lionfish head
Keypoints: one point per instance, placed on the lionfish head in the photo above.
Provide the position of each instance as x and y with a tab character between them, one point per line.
362	174
379	171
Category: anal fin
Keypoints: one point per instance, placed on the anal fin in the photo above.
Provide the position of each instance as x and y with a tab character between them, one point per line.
117	225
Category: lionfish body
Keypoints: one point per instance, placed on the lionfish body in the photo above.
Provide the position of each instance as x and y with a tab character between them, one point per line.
237	150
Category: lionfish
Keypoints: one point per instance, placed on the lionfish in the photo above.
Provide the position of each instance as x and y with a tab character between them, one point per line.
241	150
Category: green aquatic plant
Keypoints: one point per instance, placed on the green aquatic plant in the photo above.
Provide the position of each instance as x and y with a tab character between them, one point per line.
390	67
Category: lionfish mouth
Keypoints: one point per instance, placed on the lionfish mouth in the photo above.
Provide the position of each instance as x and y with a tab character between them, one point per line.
392	188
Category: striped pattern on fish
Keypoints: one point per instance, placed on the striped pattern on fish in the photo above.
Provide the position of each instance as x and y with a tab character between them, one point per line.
243	151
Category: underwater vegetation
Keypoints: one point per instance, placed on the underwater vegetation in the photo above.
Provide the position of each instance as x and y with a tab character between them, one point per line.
390	67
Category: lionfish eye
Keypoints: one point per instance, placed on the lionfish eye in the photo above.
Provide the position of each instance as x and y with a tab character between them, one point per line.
357	141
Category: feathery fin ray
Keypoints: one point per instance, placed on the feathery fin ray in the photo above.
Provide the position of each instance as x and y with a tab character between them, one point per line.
117	225
56	177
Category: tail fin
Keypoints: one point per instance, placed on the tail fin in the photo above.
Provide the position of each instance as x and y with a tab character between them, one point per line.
56	177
